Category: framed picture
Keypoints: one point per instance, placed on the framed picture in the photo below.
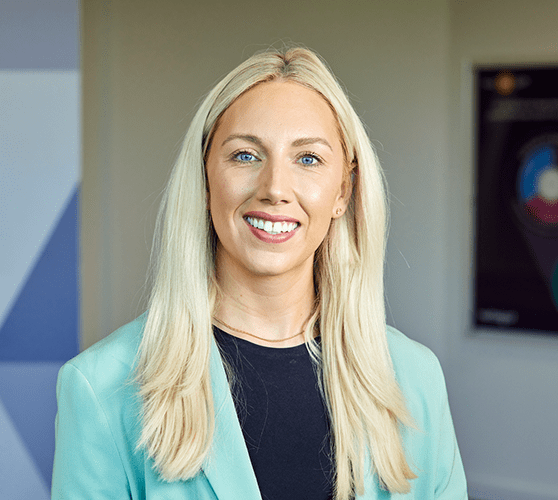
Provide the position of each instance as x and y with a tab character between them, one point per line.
516	240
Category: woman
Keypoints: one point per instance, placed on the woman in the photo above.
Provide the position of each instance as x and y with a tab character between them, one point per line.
263	367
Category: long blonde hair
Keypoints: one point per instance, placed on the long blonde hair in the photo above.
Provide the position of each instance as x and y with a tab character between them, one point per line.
365	404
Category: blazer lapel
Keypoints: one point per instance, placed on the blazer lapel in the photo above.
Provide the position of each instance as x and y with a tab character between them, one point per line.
228	468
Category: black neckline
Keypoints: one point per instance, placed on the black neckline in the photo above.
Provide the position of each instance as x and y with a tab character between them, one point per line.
225	338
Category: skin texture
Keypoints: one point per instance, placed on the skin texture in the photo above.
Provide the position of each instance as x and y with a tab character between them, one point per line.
277	152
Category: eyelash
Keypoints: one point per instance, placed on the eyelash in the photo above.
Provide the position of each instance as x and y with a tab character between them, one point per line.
235	157
236	154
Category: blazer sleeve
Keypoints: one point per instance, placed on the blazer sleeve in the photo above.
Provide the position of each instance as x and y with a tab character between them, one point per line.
87	462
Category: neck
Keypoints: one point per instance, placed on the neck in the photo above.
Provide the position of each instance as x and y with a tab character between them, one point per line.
271	307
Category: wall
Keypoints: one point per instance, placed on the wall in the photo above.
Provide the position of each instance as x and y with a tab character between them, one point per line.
39	190
503	386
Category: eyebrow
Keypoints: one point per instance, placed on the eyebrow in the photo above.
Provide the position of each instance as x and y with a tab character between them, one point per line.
250	138
303	141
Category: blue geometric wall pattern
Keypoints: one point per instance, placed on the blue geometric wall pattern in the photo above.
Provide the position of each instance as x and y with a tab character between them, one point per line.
43	321
40	154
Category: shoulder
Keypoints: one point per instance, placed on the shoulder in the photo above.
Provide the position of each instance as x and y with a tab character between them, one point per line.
402	348
417	368
109	362
98	420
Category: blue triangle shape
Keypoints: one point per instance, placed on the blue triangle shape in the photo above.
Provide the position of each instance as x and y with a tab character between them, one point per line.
43	322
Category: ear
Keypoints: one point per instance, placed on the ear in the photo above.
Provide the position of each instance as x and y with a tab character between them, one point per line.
345	193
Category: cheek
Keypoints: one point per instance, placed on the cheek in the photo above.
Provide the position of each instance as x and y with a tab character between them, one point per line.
226	195
215	197
322	198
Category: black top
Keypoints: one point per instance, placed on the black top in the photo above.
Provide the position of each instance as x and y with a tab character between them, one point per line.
283	418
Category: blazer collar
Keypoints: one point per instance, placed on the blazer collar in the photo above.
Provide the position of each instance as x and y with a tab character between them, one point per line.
228	468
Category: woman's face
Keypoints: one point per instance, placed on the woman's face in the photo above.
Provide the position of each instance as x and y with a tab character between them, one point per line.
275	172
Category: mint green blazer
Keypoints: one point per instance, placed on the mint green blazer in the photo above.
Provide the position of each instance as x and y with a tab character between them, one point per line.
98	425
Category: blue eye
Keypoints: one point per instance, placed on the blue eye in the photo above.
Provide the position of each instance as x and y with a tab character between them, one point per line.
309	160
245	157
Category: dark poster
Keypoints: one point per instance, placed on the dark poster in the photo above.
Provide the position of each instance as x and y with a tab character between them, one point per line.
516	254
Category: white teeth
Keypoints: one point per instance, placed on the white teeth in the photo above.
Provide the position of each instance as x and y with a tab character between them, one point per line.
272	227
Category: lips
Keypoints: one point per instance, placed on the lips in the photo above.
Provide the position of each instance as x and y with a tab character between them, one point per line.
271	228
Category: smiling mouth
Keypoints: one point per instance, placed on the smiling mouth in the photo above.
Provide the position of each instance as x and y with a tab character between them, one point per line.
272	227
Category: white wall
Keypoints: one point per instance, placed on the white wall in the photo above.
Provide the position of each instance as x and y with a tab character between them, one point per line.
503	386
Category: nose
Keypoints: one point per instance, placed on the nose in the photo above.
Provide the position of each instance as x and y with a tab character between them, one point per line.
276	182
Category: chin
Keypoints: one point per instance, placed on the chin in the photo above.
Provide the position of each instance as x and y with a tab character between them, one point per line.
268	271
273	266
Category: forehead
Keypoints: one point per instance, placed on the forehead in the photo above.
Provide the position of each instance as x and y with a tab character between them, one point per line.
280	109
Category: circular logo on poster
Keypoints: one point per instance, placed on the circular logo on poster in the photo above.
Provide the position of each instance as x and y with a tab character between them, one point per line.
537	185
